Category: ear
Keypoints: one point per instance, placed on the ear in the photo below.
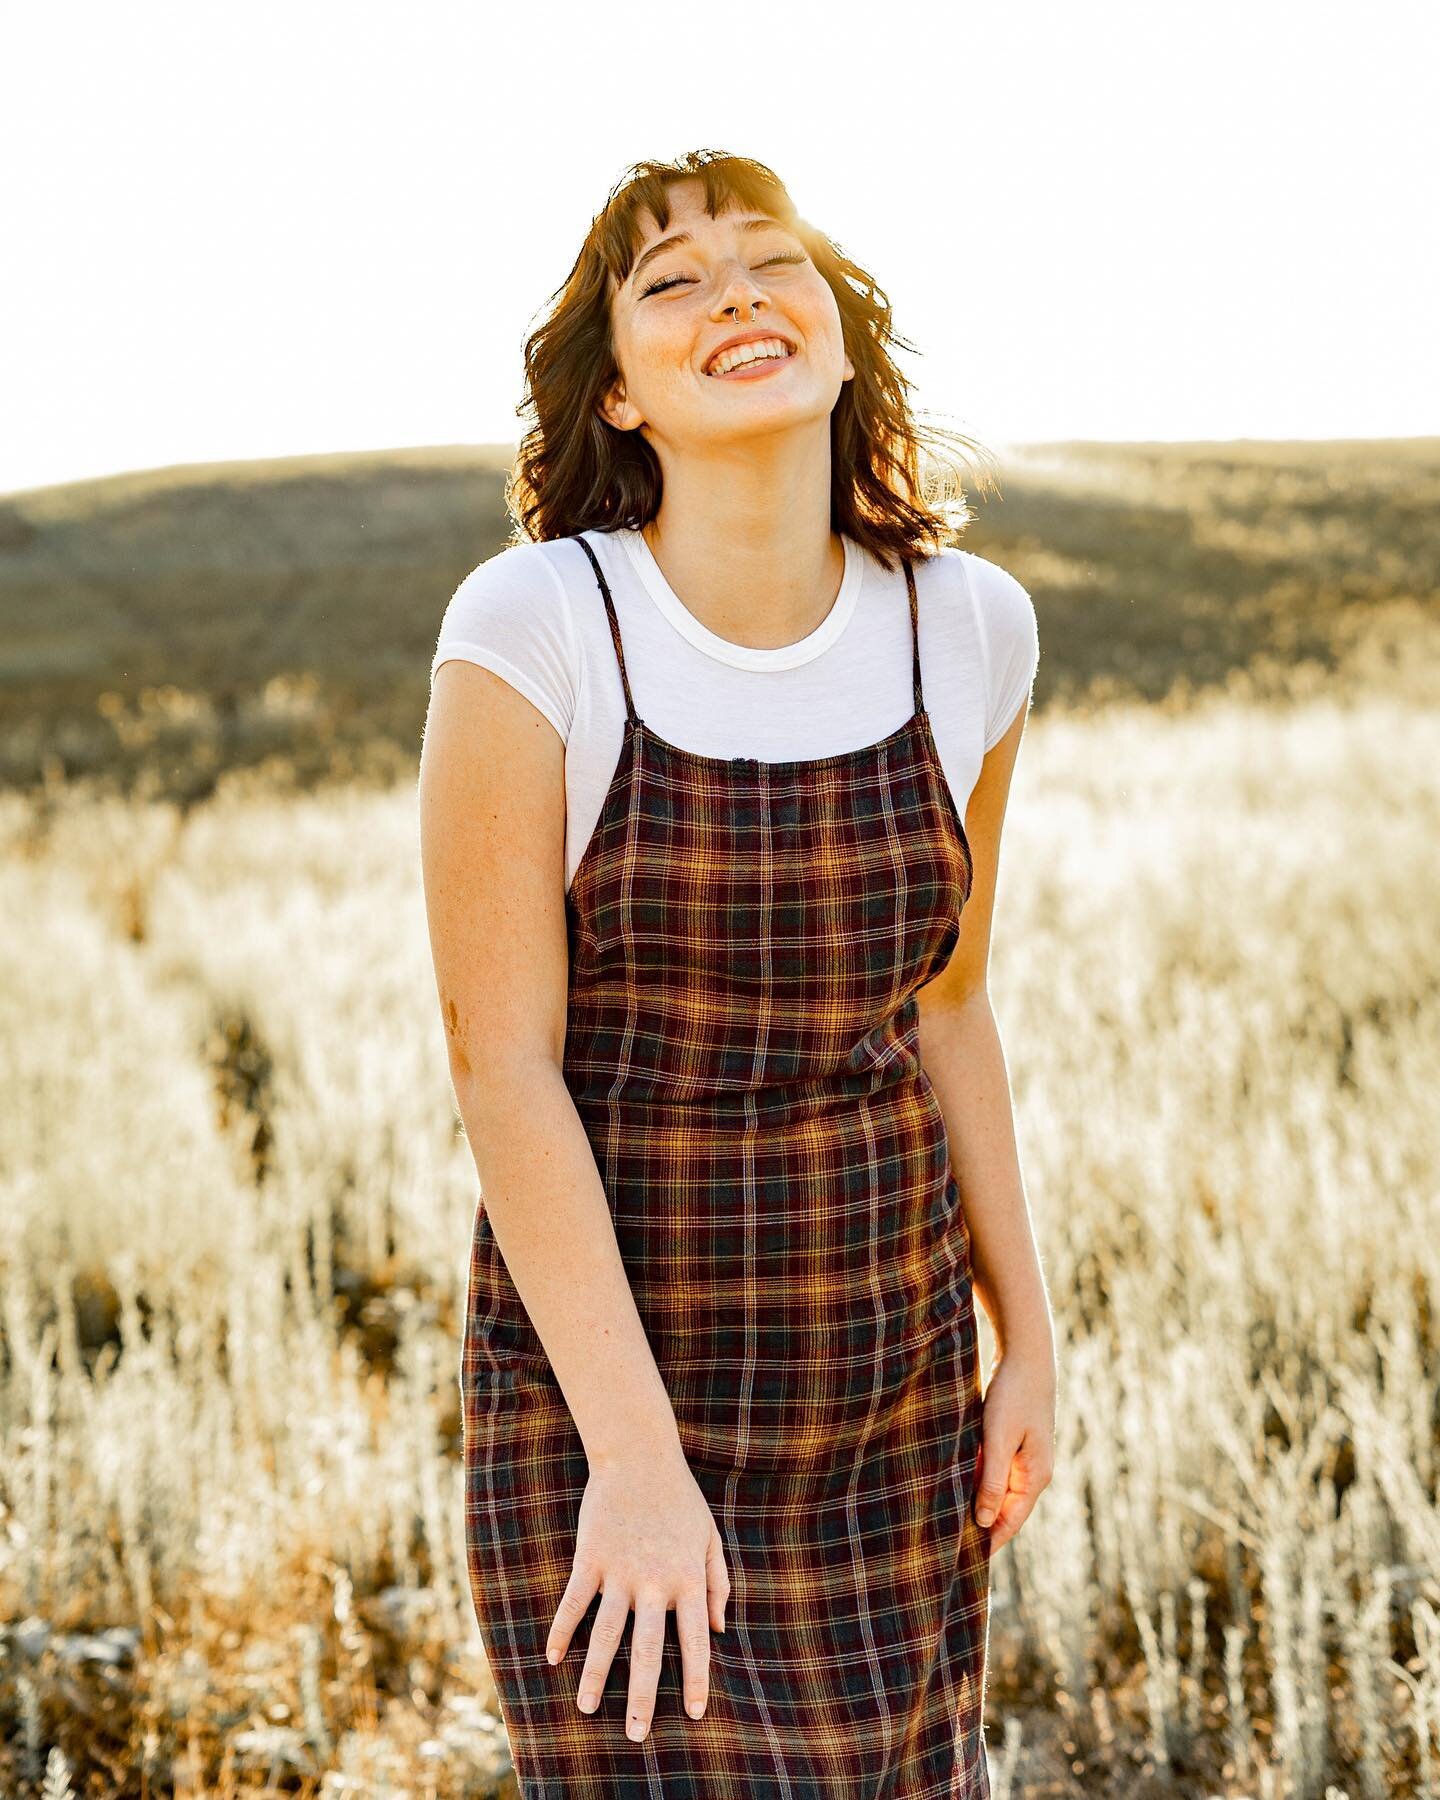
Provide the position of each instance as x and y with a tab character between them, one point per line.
616	410
849	374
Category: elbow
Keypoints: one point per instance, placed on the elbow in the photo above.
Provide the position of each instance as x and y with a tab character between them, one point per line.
948	1007
506	1087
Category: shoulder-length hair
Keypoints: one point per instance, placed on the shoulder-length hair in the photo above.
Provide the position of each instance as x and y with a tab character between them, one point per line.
574	471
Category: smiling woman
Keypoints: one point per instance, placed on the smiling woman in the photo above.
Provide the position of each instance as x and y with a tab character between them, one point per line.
647	276
720	1352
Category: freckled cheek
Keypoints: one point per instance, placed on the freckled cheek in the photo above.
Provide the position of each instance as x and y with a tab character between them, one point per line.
661	359
823	329
682	354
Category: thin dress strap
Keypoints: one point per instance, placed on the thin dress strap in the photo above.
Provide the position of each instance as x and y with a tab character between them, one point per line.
631	716
919	696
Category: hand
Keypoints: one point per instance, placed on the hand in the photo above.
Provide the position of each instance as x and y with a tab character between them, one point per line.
1017	1453
646	1538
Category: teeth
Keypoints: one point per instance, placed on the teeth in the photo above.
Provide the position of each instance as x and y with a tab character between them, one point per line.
745	353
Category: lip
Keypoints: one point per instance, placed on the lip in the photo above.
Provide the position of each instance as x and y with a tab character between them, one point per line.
746	337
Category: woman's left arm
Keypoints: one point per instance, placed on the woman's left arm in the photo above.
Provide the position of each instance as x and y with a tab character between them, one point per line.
962	1055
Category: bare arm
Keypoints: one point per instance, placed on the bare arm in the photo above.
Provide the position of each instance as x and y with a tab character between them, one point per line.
492	829
962	1055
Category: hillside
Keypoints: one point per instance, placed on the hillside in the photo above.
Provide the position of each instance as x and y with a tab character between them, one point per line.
160	628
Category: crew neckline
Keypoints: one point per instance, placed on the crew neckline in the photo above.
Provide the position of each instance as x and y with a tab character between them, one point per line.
746	656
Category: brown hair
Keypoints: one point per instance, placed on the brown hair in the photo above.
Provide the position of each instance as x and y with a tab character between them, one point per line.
573	471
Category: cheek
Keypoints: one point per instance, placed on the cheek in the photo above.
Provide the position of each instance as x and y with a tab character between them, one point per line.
819	317
662	349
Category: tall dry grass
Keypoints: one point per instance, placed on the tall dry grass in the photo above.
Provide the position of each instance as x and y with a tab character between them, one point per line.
237	1207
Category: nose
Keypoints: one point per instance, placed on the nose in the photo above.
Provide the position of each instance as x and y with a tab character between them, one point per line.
739	293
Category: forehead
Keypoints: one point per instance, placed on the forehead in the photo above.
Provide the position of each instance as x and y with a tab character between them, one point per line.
689	219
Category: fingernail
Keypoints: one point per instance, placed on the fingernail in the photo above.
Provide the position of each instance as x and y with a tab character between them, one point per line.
588	1702
696	1708
552	1656
635	1730
985	1516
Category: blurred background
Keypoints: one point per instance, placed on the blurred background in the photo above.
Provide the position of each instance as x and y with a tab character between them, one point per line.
268	279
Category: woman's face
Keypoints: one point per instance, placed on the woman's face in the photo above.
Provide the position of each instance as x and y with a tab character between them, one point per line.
682	301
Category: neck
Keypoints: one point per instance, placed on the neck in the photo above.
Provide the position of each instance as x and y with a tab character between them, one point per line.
743	537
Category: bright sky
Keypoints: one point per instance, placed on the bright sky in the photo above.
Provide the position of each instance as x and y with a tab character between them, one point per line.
274	229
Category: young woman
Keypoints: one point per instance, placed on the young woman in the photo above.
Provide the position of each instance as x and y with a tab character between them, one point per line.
695	857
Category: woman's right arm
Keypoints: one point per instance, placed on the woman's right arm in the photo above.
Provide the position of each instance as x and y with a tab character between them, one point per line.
492	831
492	834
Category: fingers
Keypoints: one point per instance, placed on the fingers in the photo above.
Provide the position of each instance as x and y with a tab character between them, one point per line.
605	1635
1013	1514
574	1603
693	1629
717	1581
647	1650
994	1476
697	1610
1010	1484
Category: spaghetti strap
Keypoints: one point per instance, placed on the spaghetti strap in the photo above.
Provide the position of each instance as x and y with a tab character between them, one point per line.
631	716
919	696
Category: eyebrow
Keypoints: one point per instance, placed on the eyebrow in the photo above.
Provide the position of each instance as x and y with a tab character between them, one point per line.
762	222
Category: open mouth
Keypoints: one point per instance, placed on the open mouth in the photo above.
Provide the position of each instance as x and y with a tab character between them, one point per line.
762	354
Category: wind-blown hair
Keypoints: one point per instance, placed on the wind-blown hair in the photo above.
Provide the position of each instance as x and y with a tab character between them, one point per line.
574	471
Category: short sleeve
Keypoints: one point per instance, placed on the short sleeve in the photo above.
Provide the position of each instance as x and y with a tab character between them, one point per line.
511	616
1012	643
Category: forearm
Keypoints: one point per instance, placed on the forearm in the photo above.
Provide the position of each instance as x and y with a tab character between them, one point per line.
551	1219
963	1057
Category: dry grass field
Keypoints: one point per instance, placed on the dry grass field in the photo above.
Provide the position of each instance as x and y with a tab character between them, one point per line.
237	1199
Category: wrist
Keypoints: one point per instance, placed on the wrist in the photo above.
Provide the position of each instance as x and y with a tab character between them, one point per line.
644	1445
1028	1340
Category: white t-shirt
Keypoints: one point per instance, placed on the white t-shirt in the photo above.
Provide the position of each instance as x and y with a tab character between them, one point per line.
534	615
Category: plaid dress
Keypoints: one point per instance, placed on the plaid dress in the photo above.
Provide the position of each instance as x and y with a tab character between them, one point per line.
746	942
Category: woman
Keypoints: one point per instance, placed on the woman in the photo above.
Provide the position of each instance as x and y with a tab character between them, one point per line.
692	867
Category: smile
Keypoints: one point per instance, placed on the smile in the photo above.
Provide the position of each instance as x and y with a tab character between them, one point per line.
763	353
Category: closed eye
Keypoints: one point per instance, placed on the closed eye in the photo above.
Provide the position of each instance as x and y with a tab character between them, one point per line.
659	287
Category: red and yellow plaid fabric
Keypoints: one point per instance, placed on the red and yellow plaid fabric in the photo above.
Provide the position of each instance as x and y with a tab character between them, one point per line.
747	940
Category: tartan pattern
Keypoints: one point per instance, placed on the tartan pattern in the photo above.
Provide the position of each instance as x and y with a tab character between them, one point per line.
746	943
